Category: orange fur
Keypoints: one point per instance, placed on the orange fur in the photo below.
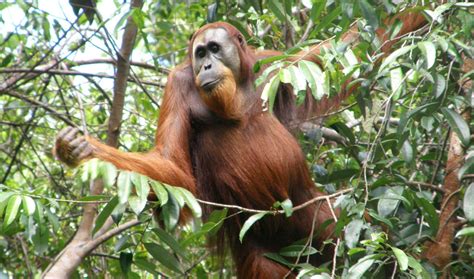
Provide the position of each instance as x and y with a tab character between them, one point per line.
224	99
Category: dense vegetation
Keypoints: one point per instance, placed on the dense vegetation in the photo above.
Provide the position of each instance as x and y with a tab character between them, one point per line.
399	147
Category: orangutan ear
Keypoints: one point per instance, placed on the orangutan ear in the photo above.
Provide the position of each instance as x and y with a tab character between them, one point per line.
241	40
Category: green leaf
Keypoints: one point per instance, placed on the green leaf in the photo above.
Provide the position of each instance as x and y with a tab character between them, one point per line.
297	250
6	60
338	175
278	10
29	205
264	76
468	204
469	231
314	76
467	168
170	241
249	222
429	51
429	211
269	92
407	116
277	258
420	271
52	218
440	85
394	55
327	20
396	82
316	10
138	18
191	202
118	211
125	260
369	13
124	186
141	185
390	201
170	213
164	257
298	80
3	205
90	170
12	209
287	207
407	152
457	123
121	22
345	131
285	75
176	193
401	258
352	232
146	265
123	243
137	204
217	219
105	213
354	251
428	122
5	195
211	227
380	218
259	63
160	191
109	174
356	271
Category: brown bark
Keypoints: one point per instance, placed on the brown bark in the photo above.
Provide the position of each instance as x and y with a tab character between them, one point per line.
440	251
83	241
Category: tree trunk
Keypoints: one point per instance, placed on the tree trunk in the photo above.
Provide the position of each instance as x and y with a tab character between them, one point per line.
83	242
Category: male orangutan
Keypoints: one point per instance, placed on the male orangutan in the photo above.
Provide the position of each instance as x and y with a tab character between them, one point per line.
214	139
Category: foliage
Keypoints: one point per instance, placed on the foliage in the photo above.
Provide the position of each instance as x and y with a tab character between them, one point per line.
395	130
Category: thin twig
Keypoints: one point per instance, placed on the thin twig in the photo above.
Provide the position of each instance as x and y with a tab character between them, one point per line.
25	132
333	272
72	73
303	205
105	256
426	185
114	62
40	104
24	248
438	161
91	245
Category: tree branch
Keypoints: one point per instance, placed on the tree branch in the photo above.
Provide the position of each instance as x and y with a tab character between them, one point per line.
91	245
303	205
72	73
40	104
144	65
83	243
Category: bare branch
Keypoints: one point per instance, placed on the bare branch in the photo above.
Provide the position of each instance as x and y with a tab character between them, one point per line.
91	245
71	73
426	185
114	62
40	104
303	205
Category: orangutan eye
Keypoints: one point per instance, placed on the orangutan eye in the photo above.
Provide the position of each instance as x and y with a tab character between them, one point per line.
213	47
200	52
